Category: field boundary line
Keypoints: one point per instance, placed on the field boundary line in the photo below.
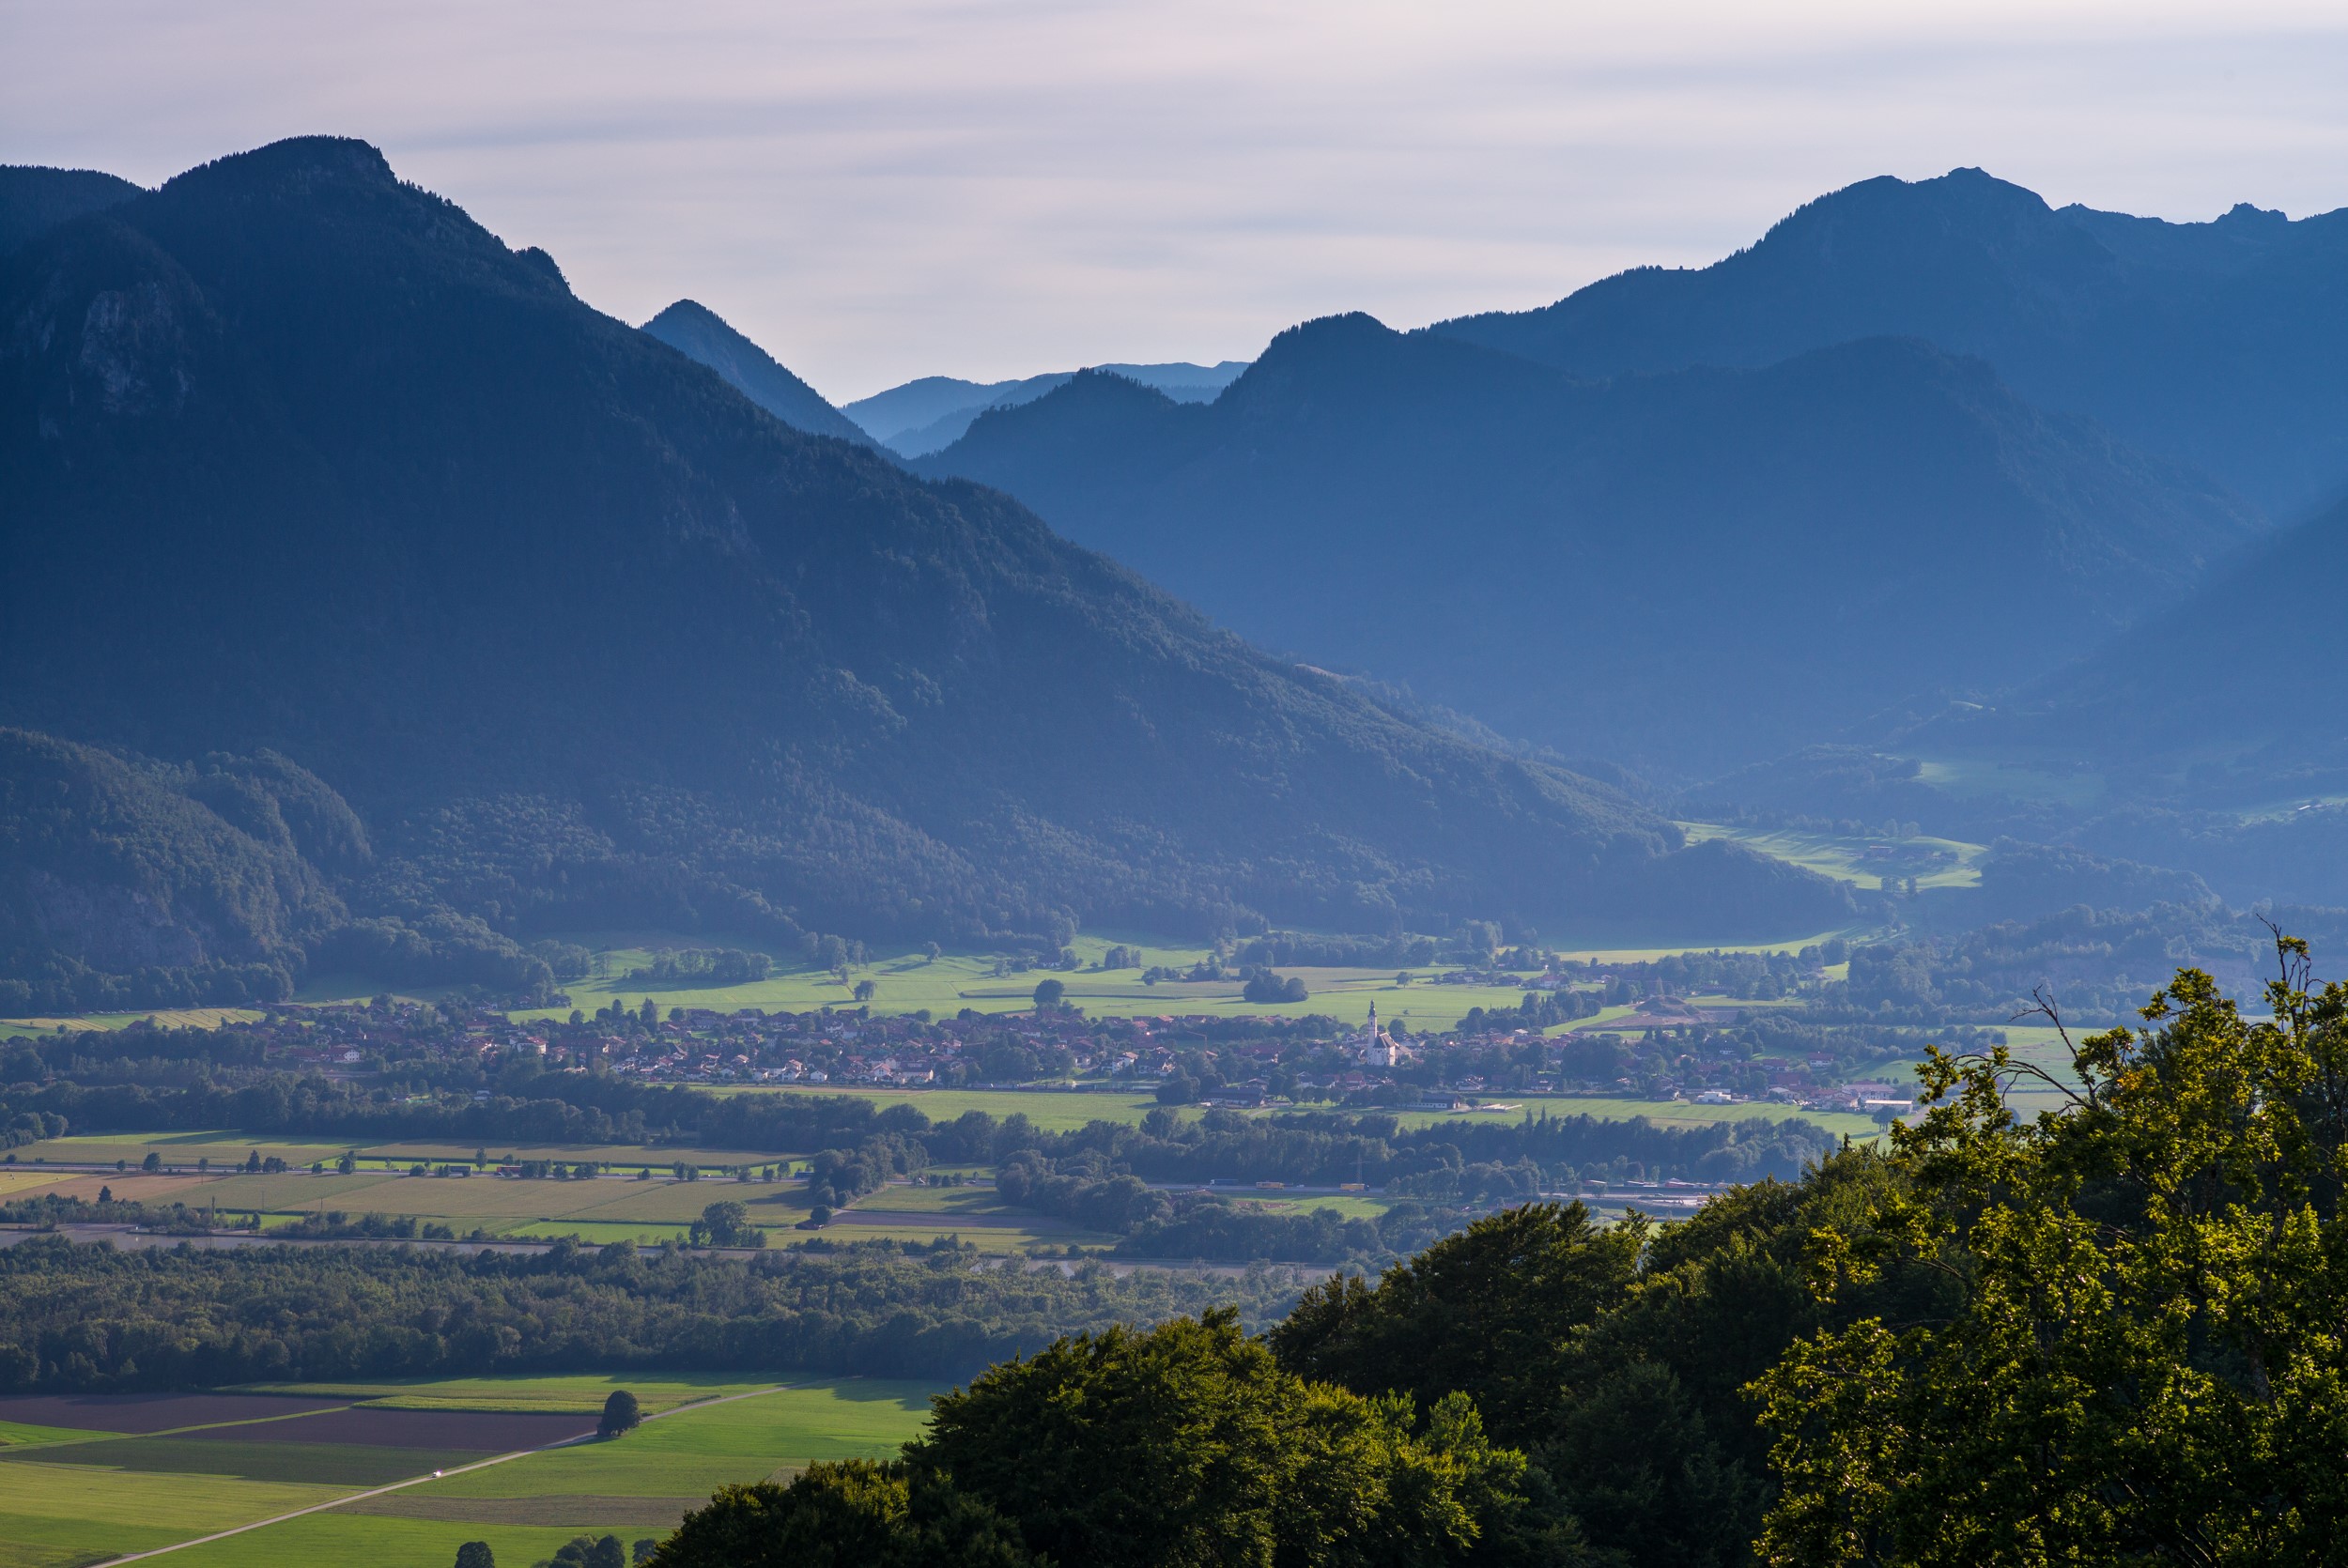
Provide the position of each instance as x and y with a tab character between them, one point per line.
419	1480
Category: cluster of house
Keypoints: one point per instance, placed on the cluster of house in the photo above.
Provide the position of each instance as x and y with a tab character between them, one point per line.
841	1048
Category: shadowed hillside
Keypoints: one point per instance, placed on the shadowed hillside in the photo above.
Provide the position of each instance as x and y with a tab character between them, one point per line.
1697	568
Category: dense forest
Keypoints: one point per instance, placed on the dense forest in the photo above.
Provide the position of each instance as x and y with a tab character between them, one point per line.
91	1319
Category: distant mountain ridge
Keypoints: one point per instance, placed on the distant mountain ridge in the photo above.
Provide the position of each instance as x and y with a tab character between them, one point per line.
2243	681
932	413
1696	569
2222	346
35	200
698	333
300	462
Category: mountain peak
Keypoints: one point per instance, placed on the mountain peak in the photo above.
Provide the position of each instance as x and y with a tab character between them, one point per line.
703	336
302	160
2219	345
1968	207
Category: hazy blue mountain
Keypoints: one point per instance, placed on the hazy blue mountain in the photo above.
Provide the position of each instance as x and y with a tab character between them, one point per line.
701	335
2221	345
928	415
297	458
1698	568
2240	691
35	200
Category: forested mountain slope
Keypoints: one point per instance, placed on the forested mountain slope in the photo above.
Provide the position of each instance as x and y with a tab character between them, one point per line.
35	200
1697	568
2215	726
701	335
2223	345
299	457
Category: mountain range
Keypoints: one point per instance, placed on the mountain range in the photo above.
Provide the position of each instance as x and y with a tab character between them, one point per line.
926	415
311	480
1690	569
2221	345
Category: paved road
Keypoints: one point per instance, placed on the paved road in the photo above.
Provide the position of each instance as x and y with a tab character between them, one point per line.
418	1481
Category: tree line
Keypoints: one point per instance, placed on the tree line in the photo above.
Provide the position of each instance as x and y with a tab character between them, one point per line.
90	1318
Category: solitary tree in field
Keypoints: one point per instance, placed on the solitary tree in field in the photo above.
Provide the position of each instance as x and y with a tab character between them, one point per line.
475	1554
619	1414
1048	994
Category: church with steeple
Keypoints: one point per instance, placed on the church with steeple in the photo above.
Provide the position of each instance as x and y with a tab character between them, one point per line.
1377	1049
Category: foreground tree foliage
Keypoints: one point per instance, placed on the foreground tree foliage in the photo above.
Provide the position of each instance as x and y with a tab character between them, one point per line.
847	1514
1483	1314
1188	1446
2144	1359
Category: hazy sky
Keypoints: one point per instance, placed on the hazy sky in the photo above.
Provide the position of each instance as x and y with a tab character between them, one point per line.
893	188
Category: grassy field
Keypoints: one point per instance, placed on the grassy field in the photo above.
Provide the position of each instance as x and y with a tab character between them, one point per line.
562	1393
1678	1112
1974	777
1932	862
52	1515
170	1017
908	981
1055	1111
66	1507
182	1150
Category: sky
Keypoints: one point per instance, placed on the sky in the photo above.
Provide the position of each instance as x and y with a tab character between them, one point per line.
888	189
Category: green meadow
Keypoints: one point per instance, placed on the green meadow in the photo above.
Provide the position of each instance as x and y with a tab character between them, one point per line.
169	1018
65	1506
1675	1112
907	980
561	1394
1053	1110
1932	862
